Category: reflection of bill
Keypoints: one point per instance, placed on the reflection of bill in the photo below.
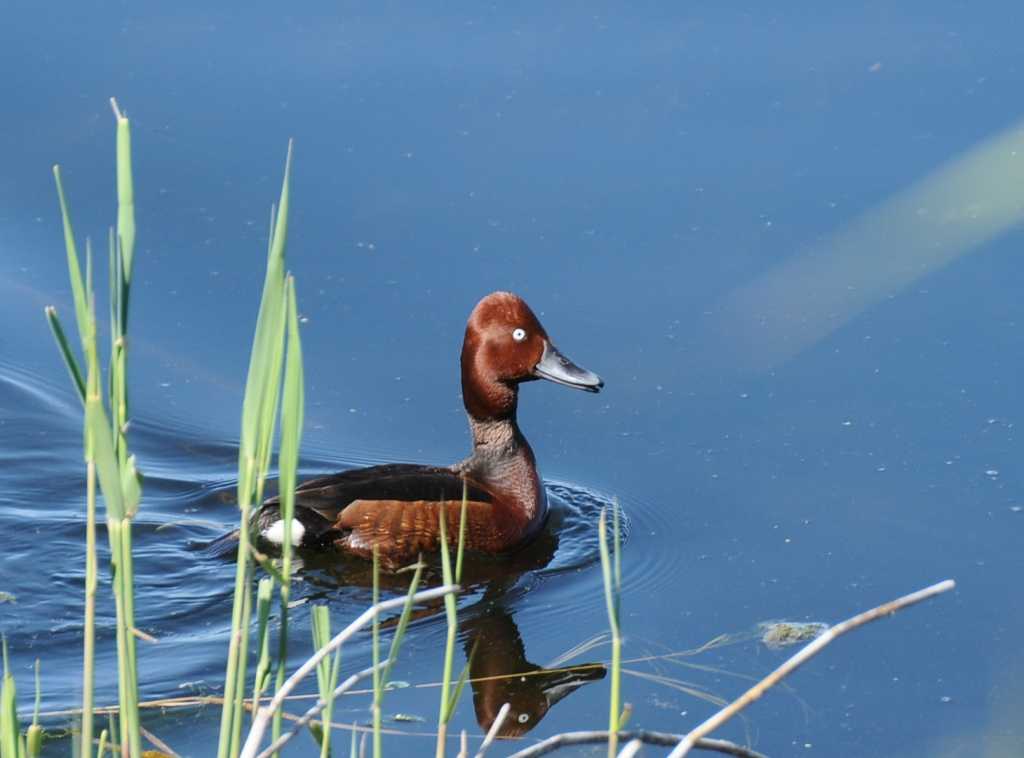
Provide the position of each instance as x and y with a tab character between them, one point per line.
961	205
500	673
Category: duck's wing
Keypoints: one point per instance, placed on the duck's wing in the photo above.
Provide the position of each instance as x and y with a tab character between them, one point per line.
395	506
328	496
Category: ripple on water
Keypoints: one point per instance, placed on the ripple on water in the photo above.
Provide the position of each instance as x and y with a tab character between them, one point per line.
183	589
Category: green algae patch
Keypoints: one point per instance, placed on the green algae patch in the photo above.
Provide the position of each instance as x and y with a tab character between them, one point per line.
780	634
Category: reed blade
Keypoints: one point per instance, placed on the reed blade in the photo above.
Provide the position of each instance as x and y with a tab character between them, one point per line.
259	415
463	678
263	377
65	351
74	269
403	621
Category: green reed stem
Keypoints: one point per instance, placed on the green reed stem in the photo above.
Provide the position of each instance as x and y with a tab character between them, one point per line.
229	711
448	700
292	409
242	671
378	686
89	630
34	735
9	730
125	191
326	675
328	712
126	682
264	598
381	676
462	533
612	578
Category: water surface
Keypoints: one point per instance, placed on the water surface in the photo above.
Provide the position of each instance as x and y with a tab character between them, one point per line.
671	188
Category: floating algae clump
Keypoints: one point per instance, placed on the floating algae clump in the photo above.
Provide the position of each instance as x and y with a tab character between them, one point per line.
779	634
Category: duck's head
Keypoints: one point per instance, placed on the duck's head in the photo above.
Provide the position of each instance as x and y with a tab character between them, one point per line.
505	344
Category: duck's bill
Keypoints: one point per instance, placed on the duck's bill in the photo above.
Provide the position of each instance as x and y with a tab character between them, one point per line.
555	367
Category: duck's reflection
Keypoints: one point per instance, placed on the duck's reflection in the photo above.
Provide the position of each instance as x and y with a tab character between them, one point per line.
499	669
500	673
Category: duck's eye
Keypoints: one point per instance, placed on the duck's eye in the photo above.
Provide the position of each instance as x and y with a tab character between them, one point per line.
523	718
518	335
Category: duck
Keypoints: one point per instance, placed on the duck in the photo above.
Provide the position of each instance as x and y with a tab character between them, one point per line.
395	508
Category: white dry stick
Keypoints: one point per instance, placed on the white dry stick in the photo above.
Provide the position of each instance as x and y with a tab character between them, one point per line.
156	741
312	713
805	654
661	739
492	733
264	714
631	749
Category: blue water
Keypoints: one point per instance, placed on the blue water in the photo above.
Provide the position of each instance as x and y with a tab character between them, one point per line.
736	214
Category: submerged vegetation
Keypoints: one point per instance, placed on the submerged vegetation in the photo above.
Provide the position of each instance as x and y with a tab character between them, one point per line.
272	409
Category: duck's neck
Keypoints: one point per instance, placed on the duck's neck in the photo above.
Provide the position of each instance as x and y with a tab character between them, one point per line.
503	462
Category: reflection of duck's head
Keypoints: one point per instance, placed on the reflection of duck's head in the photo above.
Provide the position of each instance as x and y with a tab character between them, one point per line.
530	695
501	674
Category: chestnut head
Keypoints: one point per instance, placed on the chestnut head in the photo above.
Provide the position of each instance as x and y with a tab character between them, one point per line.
506	344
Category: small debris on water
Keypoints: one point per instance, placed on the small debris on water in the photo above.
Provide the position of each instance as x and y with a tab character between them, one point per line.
993	472
779	634
197	685
409	718
7	597
397	684
946	699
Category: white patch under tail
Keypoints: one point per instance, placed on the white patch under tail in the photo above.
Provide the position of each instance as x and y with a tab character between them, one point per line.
275	532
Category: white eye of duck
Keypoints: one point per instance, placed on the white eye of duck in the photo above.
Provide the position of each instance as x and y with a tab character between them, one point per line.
518	335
